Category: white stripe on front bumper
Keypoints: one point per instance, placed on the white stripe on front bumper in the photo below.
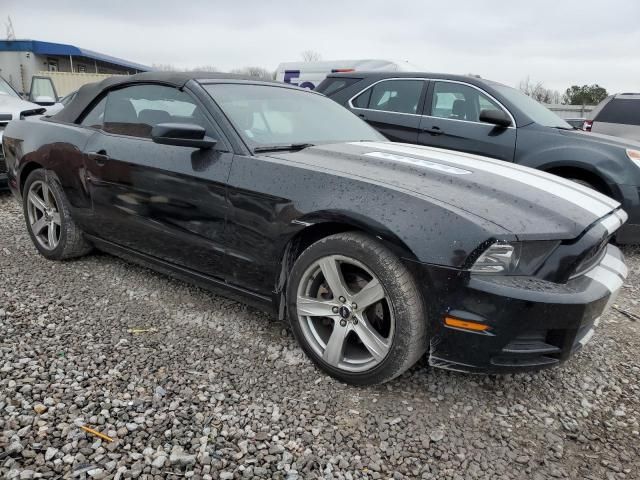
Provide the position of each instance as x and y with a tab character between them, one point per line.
616	265
606	277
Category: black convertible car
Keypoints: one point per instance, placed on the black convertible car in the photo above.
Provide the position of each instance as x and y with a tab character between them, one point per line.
376	252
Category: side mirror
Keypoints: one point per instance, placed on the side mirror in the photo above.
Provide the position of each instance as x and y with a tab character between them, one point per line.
181	135
495	117
44	100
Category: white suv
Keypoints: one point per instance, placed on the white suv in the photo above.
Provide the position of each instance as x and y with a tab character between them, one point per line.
617	115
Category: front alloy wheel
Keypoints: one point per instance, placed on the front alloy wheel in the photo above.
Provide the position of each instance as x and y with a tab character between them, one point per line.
344	313
355	309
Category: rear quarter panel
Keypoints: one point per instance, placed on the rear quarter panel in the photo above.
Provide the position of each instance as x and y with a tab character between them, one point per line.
56	147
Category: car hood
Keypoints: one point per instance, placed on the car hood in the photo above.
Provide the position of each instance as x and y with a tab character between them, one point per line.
599	138
527	203
17	106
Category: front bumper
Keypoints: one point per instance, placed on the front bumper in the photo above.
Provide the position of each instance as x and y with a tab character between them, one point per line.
533	323
629	233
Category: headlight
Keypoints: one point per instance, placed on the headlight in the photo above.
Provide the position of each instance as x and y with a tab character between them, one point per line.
634	156
513	258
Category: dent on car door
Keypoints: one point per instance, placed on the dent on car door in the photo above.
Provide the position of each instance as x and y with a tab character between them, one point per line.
163	200
452	120
392	107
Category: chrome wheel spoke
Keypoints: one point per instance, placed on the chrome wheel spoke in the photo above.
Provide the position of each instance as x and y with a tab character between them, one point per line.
55	218
36	201
38	225
370	294
334	351
312	307
46	196
377	346
333	276
51	237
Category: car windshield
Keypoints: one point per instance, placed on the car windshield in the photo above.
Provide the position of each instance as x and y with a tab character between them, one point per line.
272	116
535	110
5	89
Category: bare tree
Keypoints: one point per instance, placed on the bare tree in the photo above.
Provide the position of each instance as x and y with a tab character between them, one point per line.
257	72
164	67
311	56
205	68
11	34
539	92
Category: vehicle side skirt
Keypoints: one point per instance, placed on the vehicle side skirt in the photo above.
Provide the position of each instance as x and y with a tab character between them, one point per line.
217	286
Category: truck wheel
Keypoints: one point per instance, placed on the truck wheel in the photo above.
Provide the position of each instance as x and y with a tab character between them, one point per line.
46	211
356	310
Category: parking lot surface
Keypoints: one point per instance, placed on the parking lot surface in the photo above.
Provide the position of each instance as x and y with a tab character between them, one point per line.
192	385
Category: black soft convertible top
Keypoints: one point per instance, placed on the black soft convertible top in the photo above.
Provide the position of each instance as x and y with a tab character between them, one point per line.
88	93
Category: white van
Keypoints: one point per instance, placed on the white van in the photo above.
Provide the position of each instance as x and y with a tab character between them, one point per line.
310	74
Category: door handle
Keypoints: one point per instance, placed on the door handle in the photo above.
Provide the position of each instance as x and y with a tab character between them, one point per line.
100	157
433	130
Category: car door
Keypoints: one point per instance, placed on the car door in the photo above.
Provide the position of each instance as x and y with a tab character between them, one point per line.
392	107
162	200
451	120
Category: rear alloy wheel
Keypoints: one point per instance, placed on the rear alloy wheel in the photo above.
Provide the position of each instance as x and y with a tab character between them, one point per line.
355	309
46	211
43	215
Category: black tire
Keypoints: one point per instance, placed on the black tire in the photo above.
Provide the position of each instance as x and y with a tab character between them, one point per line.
584	183
71	242
409	341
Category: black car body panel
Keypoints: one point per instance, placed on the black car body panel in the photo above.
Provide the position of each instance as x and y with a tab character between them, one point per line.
233	221
597	159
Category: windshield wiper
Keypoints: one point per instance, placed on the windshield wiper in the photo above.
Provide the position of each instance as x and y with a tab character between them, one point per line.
292	147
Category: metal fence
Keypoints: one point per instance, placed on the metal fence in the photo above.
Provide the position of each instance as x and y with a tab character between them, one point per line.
67	82
570	111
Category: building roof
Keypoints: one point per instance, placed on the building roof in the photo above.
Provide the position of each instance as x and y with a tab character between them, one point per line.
50	48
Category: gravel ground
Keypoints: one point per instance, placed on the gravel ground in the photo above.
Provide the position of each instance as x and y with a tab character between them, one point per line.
210	388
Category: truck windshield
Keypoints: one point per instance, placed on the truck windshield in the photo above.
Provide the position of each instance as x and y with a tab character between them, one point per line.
272	116
5	89
534	110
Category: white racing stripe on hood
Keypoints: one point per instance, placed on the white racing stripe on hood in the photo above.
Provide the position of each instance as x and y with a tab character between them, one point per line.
597	204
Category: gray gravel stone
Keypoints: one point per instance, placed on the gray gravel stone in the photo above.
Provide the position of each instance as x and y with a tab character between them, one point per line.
217	388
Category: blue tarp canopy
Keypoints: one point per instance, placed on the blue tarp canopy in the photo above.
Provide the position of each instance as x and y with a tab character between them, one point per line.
62	49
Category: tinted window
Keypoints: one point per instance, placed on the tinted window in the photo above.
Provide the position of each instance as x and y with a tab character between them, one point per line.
95	116
459	102
134	111
334	85
534	110
270	115
400	96
362	100
620	110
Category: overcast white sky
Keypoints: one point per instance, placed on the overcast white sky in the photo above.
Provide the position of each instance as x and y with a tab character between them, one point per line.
557	42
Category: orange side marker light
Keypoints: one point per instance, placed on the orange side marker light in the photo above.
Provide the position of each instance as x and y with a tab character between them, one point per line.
465	325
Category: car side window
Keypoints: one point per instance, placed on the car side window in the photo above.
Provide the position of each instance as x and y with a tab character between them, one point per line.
399	96
95	117
457	101
134	111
